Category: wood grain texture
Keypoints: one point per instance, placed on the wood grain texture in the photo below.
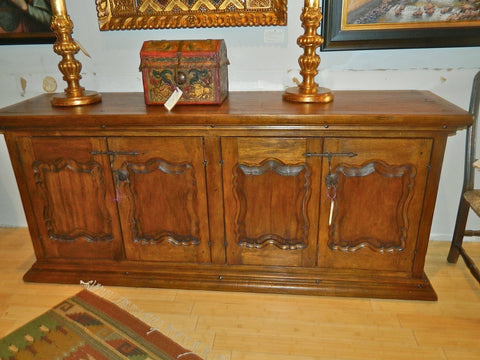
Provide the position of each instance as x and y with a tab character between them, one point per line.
161	198
235	197
273	193
246	326
351	110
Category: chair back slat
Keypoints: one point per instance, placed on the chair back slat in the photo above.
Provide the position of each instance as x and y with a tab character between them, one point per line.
470	145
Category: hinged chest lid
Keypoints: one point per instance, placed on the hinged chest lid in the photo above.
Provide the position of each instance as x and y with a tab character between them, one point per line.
184	53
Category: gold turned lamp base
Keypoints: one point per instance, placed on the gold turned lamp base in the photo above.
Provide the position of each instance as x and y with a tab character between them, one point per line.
321	95
66	47
88	97
308	91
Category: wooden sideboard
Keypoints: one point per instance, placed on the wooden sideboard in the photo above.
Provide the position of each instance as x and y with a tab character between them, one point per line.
257	194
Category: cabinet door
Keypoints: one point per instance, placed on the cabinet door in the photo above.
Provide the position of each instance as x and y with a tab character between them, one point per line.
71	193
378	203
271	193
161	196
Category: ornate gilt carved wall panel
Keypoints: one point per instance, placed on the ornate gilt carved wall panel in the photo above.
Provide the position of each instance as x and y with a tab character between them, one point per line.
164	14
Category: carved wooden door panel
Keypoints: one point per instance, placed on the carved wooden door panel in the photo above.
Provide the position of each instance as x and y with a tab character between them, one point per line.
71	193
377	203
161	196
271	193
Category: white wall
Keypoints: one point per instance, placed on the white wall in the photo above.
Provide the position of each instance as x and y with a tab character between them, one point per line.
257	63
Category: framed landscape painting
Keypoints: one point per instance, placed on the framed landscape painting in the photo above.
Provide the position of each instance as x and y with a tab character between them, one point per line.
389	24
25	22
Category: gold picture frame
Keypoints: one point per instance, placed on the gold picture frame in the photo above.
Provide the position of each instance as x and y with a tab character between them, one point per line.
168	14
373	24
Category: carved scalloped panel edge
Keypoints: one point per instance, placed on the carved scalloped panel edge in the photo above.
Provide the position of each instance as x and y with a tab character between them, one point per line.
169	236
40	170
272	239
407	175
172	238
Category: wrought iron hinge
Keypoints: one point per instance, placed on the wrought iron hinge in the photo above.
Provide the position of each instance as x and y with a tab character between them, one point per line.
331	179
330	155
114	154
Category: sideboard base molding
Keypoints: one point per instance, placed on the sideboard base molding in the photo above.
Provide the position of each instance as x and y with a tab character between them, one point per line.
284	280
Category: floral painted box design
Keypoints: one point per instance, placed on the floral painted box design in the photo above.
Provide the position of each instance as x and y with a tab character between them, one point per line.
197	67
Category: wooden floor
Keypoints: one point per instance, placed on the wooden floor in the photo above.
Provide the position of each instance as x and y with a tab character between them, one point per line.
241	326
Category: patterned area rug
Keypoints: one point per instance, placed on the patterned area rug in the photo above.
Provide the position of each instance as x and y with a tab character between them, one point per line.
88	327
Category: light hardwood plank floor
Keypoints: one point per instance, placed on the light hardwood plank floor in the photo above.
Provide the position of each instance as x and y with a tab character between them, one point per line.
242	326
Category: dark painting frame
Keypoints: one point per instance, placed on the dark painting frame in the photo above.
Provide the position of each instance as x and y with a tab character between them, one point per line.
33	31
340	35
27	38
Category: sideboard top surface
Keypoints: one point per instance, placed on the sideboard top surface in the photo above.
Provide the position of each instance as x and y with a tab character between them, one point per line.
393	108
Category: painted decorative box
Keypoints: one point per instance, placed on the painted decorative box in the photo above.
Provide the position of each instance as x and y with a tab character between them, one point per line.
197	67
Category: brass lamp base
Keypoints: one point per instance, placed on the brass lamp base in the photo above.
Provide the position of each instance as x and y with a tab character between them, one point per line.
87	98
70	67
321	95
308	91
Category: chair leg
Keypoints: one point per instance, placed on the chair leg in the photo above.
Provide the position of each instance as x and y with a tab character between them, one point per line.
470	264
458	233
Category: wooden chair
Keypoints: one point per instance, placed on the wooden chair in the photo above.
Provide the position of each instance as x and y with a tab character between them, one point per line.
470	197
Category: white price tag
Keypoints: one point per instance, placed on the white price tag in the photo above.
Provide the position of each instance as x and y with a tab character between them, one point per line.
173	99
